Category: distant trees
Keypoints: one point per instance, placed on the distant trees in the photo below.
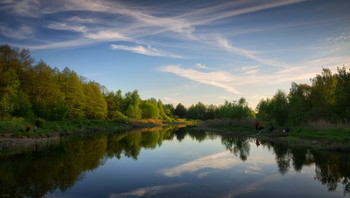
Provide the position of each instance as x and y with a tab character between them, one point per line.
234	110
327	99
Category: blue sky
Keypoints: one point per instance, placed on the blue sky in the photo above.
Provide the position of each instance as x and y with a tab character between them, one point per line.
184	51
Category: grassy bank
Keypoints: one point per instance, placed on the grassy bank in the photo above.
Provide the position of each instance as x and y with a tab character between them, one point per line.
15	128
320	138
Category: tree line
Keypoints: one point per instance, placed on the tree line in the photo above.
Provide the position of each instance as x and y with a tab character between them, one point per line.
39	91
31	90
326	99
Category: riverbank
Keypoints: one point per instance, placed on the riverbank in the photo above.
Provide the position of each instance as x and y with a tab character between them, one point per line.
16	128
317	138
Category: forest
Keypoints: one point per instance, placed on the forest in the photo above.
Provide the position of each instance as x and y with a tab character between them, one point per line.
34	90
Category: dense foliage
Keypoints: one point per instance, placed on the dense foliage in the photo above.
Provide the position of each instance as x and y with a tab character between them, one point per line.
31	91
37	91
326	99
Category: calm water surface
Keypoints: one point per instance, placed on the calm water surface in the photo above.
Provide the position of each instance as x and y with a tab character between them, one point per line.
170	163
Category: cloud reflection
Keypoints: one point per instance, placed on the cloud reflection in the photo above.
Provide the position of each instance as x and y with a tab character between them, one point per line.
147	191
223	160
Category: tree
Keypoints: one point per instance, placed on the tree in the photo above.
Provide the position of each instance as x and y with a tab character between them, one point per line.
150	109
180	111
132	103
48	99
197	111
342	94
280	110
169	110
299	103
323	95
96	106
73	89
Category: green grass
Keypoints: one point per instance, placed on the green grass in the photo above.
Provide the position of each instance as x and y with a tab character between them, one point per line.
329	135
16	127
13	126
328	138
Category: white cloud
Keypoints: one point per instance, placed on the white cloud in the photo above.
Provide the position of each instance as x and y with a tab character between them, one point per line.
54	45
248	54
343	37
64	26
147	191
202	66
217	79
107	35
82	20
223	160
213	13
28	8
143	50
172	100
22	32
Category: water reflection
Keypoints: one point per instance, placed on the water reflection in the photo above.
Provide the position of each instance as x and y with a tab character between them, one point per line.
43	169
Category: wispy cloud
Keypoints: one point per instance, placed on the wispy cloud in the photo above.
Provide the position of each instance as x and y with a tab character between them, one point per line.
81	20
107	35
28	8
172	100
143	50
202	66
65	26
217	79
57	45
223	160
210	14
22	32
248	54
148	191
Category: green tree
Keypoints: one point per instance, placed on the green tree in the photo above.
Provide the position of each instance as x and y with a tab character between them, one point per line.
323	95
132	103
47	98
212	112
280	110
73	89
197	111
115	103
162	114
264	109
299	104
180	111
342	94
150	109
96	106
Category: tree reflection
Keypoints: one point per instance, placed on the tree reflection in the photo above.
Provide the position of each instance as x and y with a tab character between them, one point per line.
35	172
238	146
331	169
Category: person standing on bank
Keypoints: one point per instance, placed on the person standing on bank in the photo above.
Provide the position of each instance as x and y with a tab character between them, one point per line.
257	126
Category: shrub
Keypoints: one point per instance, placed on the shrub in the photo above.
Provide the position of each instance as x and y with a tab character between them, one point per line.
39	122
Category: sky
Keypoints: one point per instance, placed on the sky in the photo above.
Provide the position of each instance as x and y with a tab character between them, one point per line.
184	51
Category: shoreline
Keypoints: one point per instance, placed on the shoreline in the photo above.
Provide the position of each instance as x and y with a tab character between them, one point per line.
305	138
291	139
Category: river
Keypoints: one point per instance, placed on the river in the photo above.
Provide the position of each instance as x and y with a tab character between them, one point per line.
171	162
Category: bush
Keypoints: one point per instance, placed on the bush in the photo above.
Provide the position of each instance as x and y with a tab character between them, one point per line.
39	122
